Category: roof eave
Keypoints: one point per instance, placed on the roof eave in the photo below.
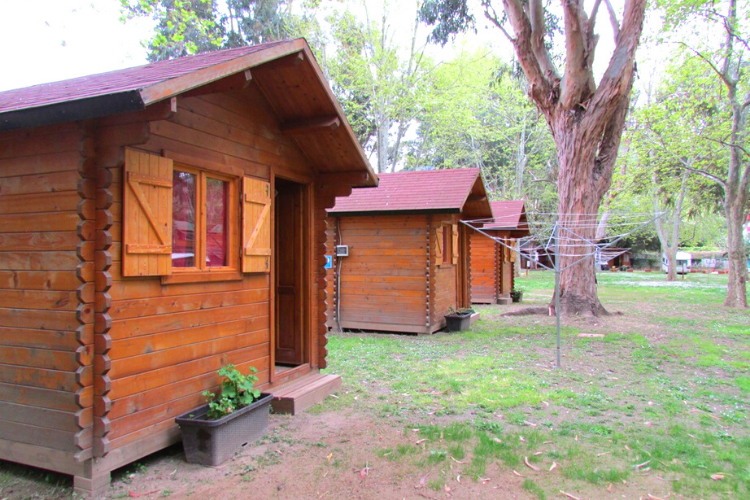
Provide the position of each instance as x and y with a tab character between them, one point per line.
80	109
394	212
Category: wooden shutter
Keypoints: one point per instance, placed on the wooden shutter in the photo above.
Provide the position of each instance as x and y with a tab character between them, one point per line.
439	245
256	224
455	244
147	215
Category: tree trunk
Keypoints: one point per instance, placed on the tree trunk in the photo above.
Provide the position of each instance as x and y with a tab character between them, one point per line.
578	205
737	286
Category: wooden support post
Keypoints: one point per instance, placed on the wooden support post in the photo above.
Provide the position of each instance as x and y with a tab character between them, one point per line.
93	481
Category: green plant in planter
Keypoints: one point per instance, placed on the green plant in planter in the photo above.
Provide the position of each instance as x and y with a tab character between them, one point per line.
516	293
461	311
237	391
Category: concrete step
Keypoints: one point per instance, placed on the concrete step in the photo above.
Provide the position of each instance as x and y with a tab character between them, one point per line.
304	392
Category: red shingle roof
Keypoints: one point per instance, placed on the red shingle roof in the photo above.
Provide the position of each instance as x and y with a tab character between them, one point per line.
423	191
506	214
119	81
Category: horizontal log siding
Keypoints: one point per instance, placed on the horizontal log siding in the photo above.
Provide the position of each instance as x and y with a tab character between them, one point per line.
383	279
484	268
167	341
445	278
46	322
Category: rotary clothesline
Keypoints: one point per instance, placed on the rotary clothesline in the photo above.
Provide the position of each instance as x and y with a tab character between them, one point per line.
558	234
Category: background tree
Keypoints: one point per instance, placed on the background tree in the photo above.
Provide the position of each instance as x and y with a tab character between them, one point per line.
586	120
474	113
186	27
376	79
725	57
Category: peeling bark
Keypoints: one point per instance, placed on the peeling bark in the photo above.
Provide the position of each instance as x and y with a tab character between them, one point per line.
586	123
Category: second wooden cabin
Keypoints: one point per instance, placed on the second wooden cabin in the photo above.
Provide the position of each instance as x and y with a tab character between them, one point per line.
492	262
408	253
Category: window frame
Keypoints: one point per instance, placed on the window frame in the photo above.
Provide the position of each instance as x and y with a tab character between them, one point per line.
202	272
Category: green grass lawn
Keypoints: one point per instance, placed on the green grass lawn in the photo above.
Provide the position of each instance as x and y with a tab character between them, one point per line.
662	397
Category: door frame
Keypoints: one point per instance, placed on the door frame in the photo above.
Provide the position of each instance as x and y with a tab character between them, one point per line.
305	273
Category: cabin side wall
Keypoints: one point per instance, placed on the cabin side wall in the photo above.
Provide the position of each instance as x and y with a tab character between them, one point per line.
484	268
47	230
383	283
444	276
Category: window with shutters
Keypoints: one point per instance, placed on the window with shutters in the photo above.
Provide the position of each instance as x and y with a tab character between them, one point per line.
445	245
189	224
204	221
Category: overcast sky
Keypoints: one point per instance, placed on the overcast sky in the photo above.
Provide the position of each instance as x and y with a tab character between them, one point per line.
51	40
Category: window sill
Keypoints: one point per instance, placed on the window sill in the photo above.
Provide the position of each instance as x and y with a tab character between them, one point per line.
202	276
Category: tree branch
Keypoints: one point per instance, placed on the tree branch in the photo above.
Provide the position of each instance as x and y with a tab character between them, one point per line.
494	20
540	72
578	82
613	20
618	78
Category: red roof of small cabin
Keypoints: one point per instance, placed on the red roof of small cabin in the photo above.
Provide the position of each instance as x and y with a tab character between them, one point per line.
286	72
446	191
509	215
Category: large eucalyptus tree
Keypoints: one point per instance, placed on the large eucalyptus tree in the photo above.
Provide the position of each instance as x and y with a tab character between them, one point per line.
586	119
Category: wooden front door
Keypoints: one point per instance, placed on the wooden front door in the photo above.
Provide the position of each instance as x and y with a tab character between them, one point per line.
290	213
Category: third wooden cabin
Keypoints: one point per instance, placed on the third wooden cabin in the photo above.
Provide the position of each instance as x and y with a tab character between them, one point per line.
491	261
408	253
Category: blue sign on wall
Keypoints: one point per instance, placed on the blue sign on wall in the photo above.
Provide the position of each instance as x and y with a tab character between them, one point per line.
329	261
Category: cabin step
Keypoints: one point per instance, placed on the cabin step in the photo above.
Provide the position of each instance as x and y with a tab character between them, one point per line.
301	394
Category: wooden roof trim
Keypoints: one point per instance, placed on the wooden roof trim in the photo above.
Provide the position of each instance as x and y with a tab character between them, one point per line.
427	211
373	178
178	85
313	125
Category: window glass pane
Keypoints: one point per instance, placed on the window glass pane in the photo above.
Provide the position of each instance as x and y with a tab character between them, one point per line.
184	195
217	197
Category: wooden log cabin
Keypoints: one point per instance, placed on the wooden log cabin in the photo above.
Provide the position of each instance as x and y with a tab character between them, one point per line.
157	223
492	262
408	253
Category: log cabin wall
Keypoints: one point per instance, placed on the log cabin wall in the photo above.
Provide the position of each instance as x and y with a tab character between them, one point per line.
484	268
47	231
383	283
444	270
168	340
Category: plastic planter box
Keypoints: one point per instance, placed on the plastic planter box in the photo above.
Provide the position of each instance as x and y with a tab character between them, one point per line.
213	442
457	322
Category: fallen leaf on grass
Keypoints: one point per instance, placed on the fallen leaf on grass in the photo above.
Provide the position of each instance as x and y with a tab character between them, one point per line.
604	453
638	466
530	465
447	489
422	482
591	335
484	480
457	461
609	488
138	495
330	457
536	454
458	478
553	466
652	497
627	447
517	473
363	473
718	476
420	442
530	424
573	497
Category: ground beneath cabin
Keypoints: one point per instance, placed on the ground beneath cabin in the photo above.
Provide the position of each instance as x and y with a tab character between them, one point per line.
649	404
